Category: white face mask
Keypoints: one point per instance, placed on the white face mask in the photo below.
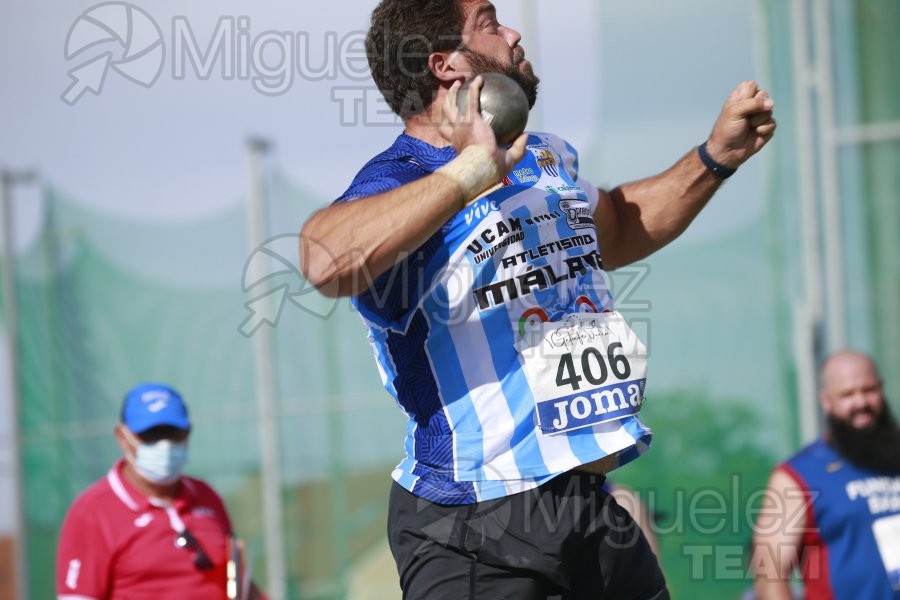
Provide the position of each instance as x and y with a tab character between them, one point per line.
160	463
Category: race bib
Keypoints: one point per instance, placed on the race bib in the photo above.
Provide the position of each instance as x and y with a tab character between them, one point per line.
887	536
588	369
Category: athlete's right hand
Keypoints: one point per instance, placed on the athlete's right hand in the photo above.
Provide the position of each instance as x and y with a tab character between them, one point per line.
469	129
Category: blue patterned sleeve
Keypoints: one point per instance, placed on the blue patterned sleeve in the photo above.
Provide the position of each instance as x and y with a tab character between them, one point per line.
381	176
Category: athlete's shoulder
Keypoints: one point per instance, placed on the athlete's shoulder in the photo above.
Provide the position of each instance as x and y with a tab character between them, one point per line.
406	160
556	142
810	456
551	139
566	151
815	450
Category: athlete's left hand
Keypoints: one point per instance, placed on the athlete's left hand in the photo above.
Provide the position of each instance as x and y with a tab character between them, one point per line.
744	126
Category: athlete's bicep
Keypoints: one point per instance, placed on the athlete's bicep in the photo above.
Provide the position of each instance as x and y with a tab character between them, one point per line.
606	219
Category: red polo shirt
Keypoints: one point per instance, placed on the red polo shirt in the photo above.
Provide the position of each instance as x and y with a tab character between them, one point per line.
116	544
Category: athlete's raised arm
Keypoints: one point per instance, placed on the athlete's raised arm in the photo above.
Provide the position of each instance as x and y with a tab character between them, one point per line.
636	219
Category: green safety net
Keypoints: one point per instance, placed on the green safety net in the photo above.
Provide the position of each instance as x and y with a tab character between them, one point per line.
106	301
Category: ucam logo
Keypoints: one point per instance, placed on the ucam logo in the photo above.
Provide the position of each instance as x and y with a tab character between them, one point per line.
125	38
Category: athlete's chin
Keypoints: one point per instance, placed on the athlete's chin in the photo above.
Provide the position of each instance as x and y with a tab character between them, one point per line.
526	68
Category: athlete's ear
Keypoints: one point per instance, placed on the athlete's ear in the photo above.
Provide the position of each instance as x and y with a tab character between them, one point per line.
122	439
825	402
448	67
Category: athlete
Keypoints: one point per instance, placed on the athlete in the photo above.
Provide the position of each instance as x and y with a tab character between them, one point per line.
145	530
479	272
833	509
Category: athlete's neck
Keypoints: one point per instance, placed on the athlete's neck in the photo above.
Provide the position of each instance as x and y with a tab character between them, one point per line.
424	126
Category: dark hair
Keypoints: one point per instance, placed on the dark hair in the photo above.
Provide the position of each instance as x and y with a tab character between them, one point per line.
401	37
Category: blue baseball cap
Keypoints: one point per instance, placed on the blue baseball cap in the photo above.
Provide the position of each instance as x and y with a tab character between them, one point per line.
149	405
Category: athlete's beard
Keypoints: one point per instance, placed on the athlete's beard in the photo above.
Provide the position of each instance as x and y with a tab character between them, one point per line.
876	448
524	77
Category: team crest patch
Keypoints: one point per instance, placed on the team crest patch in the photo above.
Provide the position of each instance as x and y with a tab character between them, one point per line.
547	162
578	213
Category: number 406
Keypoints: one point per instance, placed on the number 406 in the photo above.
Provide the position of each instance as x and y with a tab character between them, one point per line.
595	368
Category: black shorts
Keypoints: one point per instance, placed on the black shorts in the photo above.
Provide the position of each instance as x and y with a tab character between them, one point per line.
567	539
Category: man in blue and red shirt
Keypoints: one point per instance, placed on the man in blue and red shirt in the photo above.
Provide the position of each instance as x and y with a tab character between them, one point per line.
145	531
833	509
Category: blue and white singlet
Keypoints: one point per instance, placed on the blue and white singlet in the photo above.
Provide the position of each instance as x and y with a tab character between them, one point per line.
447	326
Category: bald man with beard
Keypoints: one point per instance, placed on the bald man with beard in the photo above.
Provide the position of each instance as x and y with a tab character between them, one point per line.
833	509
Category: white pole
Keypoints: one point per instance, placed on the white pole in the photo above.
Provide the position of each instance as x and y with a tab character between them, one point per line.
7	180
530	35
836	317
269	439
807	380
808	315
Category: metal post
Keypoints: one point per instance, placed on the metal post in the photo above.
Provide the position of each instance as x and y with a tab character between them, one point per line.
531	41
836	321
340	514
269	438
808	314
7	180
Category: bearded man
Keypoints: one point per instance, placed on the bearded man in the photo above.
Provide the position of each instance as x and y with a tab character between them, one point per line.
833	509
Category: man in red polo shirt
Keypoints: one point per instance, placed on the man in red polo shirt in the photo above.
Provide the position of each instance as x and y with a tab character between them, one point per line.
145	531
